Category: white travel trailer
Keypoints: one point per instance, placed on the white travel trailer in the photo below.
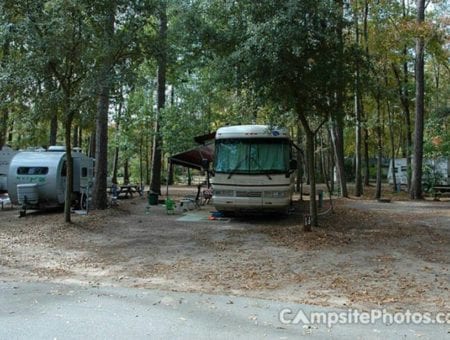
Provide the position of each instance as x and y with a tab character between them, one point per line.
37	180
253	169
6	154
400	171
439	167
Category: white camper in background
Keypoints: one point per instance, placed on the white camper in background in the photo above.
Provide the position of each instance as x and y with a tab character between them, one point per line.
6	154
400	171
253	169
37	180
440	167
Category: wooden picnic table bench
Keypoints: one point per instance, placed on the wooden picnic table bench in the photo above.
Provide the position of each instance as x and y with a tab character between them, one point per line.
439	190
126	190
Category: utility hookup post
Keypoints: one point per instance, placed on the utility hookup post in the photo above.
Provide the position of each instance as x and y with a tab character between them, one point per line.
307	221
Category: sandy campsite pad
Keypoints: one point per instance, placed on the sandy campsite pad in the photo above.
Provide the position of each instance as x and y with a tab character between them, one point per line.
366	254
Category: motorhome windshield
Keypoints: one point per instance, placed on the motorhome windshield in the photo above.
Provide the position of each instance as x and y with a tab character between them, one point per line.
252	156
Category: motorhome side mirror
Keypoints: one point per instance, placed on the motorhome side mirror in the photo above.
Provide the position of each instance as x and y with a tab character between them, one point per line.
293	164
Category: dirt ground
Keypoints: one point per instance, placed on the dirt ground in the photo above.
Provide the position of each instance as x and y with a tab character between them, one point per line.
365	254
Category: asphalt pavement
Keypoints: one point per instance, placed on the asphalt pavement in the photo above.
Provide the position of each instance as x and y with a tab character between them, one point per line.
70	311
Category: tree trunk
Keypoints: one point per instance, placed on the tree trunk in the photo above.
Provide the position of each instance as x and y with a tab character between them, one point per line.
379	147
3	126
409	142
141	161
115	165
126	171
310	135
4	113
116	149
392	142
170	180
69	163
337	119
402	85
75	137
312	180
80	137
416	183
331	162
99	194
358	116
155	185
365	131
358	157
92	141
324	166
148	148
337	136
299	179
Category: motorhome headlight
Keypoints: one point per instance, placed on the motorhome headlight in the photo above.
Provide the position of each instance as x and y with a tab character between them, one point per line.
223	193
276	194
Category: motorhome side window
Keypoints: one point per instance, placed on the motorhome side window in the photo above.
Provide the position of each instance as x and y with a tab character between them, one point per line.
32	170
84	172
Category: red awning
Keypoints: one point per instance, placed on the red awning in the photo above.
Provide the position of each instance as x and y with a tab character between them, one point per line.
194	158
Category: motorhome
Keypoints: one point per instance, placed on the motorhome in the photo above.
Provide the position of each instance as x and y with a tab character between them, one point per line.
37	179
438	168
253	169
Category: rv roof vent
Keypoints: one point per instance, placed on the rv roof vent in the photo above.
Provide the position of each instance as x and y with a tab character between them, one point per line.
76	149
57	148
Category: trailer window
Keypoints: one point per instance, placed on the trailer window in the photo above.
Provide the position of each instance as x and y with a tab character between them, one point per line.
84	172
252	156
32	170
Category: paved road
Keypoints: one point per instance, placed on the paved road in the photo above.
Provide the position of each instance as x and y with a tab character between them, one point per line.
57	311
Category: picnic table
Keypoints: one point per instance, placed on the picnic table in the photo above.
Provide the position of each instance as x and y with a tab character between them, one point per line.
439	190
126	190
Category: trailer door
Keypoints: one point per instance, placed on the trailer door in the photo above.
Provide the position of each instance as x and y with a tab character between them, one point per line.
61	183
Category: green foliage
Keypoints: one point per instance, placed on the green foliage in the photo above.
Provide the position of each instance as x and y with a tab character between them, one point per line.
285	53
437	134
229	62
431	178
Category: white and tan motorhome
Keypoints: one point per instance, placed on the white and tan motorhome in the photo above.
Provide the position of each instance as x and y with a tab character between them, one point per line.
253	169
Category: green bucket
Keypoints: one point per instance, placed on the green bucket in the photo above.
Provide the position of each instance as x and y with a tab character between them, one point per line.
152	198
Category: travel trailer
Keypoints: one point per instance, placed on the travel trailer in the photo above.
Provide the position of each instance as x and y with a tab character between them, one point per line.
253	169
37	179
440	168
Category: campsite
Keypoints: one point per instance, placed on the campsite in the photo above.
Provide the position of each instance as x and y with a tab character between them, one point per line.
224	167
365	254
